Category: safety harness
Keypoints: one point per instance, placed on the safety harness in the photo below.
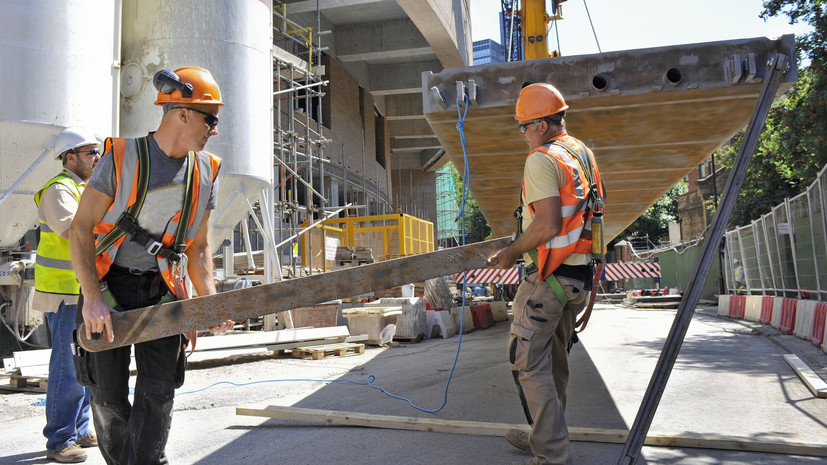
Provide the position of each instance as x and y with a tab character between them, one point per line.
127	223
594	209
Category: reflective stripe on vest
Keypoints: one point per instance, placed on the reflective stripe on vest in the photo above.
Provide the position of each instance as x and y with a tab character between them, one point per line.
573	201
125	152
53	265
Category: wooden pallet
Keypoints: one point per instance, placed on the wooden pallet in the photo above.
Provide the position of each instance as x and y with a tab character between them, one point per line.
319	352
25	383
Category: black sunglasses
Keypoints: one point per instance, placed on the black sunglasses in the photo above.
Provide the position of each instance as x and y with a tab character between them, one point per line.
525	125
210	119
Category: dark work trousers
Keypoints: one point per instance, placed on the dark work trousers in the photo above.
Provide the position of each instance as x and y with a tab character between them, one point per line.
137	433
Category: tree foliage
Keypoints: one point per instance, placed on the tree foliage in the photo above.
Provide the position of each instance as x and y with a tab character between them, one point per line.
791	150
654	222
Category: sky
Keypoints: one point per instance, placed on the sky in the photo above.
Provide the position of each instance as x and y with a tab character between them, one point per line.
633	24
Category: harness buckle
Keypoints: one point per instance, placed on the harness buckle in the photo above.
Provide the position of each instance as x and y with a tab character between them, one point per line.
154	248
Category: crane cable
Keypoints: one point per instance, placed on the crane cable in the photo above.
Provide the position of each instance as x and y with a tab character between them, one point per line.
592	25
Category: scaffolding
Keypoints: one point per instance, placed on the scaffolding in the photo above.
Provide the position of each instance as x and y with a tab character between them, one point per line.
447	209
295	226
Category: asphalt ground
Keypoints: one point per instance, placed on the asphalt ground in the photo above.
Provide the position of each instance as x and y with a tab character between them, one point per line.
730	379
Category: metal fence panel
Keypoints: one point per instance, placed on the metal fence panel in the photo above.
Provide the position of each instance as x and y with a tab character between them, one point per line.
784	252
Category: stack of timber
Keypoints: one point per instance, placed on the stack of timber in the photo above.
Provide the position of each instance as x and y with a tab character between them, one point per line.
35	363
657	301
231	345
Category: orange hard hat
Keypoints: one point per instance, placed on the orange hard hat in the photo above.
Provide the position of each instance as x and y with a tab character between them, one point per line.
189	84
539	100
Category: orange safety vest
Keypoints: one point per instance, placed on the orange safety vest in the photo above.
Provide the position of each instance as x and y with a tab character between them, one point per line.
125	152
574	200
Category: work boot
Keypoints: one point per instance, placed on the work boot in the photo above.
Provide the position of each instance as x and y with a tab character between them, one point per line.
518	439
69	454
90	440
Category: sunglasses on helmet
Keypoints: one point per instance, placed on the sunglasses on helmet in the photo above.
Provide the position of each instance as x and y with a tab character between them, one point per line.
167	81
210	119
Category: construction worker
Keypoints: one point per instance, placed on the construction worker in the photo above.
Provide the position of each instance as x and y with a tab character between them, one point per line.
740	286
561	188
67	428
140	232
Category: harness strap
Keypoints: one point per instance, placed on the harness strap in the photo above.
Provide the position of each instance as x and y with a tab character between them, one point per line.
133	210
551	280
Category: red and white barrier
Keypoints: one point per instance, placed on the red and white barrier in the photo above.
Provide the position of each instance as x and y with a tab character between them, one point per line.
490	275
786	323
806	319
767	307
723	305
804	315
618	271
819	324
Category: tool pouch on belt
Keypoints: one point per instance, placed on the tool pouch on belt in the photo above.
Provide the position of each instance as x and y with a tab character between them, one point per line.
80	359
181	366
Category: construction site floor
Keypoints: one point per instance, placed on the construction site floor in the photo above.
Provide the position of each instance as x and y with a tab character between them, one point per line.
730	379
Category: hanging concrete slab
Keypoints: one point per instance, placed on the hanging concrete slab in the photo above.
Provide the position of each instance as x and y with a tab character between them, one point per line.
651	115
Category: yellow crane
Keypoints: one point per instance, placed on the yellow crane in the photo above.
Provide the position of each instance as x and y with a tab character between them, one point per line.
535	20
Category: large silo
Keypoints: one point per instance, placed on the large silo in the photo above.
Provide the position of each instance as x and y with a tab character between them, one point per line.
232	39
57	69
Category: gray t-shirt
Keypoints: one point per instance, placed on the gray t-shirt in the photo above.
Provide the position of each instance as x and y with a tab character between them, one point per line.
164	197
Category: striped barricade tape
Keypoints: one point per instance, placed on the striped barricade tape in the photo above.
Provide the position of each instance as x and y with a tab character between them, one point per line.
618	271
491	275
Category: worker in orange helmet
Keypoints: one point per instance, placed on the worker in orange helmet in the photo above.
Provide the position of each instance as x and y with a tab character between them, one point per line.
562	190
140	235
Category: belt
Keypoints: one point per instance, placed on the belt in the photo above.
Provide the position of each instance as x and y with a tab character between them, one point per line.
530	269
134	271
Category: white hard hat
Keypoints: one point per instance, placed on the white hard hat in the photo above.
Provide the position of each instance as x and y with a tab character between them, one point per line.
72	138
736	261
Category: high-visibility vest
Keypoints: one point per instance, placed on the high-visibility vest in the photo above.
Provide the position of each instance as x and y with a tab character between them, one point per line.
53	272
125	153
574	195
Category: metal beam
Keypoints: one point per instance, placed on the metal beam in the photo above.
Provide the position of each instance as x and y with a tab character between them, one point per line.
148	323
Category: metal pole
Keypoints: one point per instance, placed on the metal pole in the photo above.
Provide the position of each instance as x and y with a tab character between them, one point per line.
654	392
720	253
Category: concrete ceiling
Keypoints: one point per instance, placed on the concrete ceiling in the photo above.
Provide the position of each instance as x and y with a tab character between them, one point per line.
387	45
650	116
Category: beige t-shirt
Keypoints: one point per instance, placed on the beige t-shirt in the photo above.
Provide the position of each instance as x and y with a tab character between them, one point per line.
57	209
543	176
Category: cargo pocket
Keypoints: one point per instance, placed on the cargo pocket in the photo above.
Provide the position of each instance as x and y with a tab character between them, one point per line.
519	345
181	366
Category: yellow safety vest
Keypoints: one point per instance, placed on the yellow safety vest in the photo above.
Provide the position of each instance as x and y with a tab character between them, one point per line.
53	271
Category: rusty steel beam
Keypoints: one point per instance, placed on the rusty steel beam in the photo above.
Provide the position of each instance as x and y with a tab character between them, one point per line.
148	323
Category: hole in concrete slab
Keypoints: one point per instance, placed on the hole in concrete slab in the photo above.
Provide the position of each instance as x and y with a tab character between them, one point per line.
600	82
673	76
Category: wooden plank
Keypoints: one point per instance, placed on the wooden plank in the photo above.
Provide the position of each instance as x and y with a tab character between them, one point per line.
612	436
148	323
24	383
814	382
9	365
25	358
269	337
200	356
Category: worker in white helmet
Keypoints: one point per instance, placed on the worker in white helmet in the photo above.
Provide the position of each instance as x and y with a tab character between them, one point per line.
68	429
